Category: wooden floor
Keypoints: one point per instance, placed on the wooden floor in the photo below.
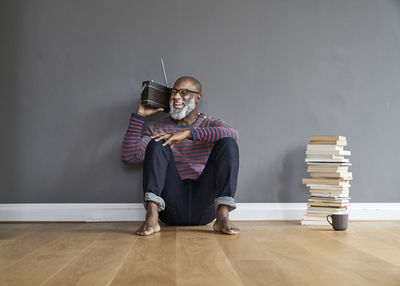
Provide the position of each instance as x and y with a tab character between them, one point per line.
264	253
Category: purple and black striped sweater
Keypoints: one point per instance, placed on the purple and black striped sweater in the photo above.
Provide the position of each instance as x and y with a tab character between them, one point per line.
190	155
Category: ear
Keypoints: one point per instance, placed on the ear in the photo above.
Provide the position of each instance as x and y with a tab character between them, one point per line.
198	98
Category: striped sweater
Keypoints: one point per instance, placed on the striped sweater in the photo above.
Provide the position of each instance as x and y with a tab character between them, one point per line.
190	155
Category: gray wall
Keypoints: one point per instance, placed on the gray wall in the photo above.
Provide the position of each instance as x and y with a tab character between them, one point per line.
279	71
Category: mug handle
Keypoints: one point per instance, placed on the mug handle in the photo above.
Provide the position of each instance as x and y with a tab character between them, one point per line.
328	219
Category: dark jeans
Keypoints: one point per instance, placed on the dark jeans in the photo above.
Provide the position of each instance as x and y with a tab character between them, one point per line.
190	202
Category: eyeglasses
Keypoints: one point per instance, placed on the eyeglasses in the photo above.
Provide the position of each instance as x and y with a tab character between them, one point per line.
182	91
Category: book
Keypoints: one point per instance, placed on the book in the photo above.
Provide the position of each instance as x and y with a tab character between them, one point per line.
317	222
326	142
328	194
332	181
323	209
347	175
328	169
328	187
324	147
330	198
340	164
328	204
324	156
315	218
329	140
328	152
326	137
315	160
321	204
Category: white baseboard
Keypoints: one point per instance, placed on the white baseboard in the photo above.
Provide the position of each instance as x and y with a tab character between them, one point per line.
136	212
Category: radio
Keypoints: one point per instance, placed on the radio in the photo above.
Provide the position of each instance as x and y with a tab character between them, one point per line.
154	94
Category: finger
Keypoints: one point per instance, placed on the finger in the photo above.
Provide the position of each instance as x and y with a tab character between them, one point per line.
157	135
158	138
154	111
168	141
161	137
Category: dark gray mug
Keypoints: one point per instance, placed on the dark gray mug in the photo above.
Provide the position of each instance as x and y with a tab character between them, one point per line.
339	221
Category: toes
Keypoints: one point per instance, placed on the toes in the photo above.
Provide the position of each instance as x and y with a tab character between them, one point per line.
148	231
139	232
230	230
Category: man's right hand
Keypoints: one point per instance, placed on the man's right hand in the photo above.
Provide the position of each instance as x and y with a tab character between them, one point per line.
147	111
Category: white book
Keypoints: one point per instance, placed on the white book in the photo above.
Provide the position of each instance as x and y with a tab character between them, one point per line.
328	187
323	147
314	218
315	160
314	222
328	204
323	164
330	191
317	214
324	156
330	195
328	170
313	200
338	174
330	210
325	213
329	152
336	189
337	185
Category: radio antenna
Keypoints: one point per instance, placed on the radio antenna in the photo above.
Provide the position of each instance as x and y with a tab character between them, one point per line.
165	75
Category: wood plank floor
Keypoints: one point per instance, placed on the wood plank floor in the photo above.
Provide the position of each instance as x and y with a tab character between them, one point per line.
264	253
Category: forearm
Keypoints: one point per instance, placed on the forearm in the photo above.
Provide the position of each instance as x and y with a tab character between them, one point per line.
134	144
212	134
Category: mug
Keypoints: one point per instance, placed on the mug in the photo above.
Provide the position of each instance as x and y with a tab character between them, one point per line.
339	221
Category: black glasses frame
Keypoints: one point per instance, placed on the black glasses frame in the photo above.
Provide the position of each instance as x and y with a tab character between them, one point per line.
182	91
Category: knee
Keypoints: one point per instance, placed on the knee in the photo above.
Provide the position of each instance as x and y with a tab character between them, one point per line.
154	147
228	145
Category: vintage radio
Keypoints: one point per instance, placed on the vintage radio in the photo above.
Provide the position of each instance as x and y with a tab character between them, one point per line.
156	95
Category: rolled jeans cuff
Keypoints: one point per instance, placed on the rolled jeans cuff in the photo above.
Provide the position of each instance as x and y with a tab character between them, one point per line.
148	196
229	201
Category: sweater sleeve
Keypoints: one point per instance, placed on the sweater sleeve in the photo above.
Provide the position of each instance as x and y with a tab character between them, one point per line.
214	130
135	141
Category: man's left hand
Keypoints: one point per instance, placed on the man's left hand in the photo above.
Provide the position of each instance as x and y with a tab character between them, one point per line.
173	138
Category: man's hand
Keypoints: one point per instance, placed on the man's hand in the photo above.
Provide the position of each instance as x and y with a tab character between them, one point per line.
147	111
173	138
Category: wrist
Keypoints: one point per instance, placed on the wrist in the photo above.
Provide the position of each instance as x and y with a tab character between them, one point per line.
190	135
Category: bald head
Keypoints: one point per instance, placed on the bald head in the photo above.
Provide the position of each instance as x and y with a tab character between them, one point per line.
188	79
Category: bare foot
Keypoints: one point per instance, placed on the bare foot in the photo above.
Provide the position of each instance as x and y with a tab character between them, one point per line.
225	226
149	227
222	223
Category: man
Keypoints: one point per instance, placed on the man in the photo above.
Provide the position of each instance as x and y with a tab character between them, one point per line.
191	163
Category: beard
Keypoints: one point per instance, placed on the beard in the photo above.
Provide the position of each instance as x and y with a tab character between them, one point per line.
179	114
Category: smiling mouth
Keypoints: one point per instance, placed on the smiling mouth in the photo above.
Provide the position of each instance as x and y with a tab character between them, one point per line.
179	105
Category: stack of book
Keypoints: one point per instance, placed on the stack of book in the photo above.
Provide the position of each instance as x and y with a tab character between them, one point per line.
330	178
